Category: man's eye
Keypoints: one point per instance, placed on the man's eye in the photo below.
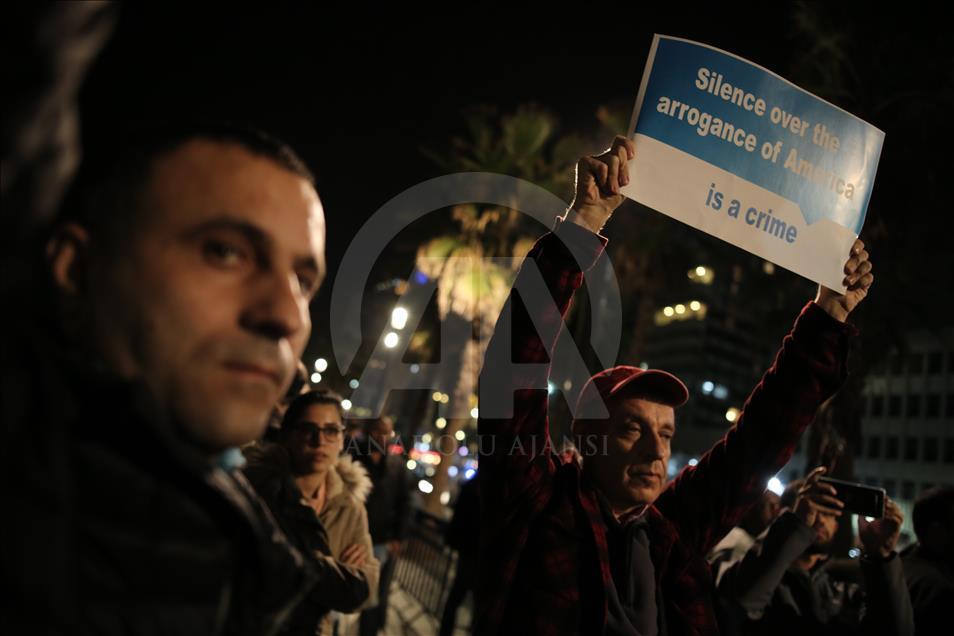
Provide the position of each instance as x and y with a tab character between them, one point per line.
223	253
306	283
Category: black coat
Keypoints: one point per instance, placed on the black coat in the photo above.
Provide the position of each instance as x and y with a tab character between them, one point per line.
116	525
931	584
388	504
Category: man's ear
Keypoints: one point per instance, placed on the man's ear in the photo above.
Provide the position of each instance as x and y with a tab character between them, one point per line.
67	257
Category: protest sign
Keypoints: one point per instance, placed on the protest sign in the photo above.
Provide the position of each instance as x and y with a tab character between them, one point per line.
745	155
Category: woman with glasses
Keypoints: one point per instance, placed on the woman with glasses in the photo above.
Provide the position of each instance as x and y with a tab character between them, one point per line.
317	495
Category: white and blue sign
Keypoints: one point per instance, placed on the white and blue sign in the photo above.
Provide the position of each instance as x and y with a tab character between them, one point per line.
736	151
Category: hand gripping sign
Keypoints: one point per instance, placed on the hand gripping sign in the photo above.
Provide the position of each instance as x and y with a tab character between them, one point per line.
738	152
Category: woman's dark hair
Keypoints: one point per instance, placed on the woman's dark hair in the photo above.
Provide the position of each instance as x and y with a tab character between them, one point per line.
301	404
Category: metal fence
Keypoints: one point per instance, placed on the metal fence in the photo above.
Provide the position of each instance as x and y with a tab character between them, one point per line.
426	563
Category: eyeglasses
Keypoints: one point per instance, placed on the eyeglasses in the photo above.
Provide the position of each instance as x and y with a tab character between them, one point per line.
312	433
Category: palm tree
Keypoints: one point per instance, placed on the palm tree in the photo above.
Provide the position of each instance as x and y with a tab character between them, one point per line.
523	144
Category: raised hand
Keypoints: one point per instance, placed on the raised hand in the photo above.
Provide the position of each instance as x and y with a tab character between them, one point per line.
881	535
598	182
858	279
815	497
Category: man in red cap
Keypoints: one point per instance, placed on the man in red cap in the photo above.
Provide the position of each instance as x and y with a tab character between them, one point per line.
606	546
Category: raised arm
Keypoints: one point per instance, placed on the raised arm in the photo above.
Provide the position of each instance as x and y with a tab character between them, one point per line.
516	462
709	499
750	582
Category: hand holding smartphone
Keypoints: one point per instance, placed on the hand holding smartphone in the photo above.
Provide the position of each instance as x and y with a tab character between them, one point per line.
859	499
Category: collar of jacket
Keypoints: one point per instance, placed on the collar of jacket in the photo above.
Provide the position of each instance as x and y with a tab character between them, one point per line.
661	532
125	418
105	406
348	478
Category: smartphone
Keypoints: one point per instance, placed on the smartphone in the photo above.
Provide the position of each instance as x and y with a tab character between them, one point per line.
859	499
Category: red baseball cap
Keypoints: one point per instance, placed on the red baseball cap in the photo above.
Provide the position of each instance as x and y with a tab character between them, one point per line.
663	386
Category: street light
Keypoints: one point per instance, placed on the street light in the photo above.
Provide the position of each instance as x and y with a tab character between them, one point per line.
701	274
399	318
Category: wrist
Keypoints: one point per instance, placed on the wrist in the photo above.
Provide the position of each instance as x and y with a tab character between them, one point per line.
832	307
589	217
876	554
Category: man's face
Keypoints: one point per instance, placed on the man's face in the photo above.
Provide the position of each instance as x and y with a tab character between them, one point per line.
633	470
768	508
825	527
315	440
207	302
381	433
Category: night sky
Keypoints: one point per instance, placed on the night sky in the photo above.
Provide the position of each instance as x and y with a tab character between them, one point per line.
358	92
368	90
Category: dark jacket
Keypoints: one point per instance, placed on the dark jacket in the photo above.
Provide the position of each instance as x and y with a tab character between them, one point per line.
112	524
388	505
931	586
342	588
463	531
768	596
116	525
544	559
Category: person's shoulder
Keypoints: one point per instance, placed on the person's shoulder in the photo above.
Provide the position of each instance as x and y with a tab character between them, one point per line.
394	459
396	465
921	571
267	465
736	540
267	455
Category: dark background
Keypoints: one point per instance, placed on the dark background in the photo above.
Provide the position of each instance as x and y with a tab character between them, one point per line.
358	91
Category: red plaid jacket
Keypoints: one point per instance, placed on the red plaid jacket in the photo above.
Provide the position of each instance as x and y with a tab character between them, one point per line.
545	565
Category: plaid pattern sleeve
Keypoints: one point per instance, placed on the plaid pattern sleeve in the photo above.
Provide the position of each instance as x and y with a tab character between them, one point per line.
517	464
707	500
